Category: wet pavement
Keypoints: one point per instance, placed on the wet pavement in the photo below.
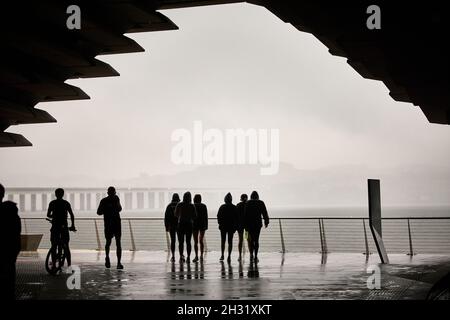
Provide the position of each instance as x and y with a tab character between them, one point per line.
150	275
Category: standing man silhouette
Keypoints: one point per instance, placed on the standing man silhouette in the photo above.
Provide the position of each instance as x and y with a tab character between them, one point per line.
255	213
227	221
110	209
10	229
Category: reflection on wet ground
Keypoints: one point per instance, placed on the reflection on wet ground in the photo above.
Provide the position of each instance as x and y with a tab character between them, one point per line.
150	275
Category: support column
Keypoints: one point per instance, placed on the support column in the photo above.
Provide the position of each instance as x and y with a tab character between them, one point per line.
140	200
22	202
82	202
128	200
33	202
375	218
44	202
88	201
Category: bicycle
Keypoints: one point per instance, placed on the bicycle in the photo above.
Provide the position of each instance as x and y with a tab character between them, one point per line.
60	255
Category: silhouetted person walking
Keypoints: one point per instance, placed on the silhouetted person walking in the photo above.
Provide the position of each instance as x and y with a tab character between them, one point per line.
10	229
58	211
186	214
200	226
227	220
171	223
110	208
240	222
255	212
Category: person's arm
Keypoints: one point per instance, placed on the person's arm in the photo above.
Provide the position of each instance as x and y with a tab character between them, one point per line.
50	210
17	232
265	214
119	207
206	216
219	216
100	208
72	217
166	218
177	211
195	213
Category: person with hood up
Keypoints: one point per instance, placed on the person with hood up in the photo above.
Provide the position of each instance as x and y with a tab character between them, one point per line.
240	225
200	226
186	214
255	212
171	223
227	220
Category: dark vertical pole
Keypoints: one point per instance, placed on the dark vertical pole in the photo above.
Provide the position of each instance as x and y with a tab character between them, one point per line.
283	248
365	238
375	217
411	251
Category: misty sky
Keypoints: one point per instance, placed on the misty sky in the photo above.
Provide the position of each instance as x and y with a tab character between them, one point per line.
233	66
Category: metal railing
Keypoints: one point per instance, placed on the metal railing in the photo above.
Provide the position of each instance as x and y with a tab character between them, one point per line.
319	234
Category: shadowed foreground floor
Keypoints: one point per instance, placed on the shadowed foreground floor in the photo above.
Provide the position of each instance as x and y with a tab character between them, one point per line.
149	275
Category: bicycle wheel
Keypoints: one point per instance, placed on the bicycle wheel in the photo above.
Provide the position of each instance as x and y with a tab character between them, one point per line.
49	263
59	261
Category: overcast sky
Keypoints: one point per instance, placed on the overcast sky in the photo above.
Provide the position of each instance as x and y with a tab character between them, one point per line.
233	66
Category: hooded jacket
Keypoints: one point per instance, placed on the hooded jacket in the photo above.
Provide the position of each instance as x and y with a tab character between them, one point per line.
227	215
201	222
255	212
186	213
170	221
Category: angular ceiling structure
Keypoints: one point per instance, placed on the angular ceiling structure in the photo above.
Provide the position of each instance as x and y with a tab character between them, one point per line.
39	53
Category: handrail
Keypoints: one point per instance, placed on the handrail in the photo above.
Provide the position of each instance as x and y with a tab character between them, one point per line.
341	233
283	218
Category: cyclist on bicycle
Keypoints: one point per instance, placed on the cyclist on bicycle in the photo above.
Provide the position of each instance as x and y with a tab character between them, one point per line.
57	211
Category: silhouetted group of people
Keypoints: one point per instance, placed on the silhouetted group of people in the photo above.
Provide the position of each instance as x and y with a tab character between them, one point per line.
183	219
59	210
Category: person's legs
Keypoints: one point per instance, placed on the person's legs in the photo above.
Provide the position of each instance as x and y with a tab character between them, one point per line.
250	244
66	240
230	244
119	251
8	280
195	234
54	234
107	247
202	243
173	236
240	243
256	243
188	244
181	244
68	254
223	237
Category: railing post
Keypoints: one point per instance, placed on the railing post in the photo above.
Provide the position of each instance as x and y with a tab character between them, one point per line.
283	248
325	248
323	243
411	251
25	225
133	244
99	245
365	238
